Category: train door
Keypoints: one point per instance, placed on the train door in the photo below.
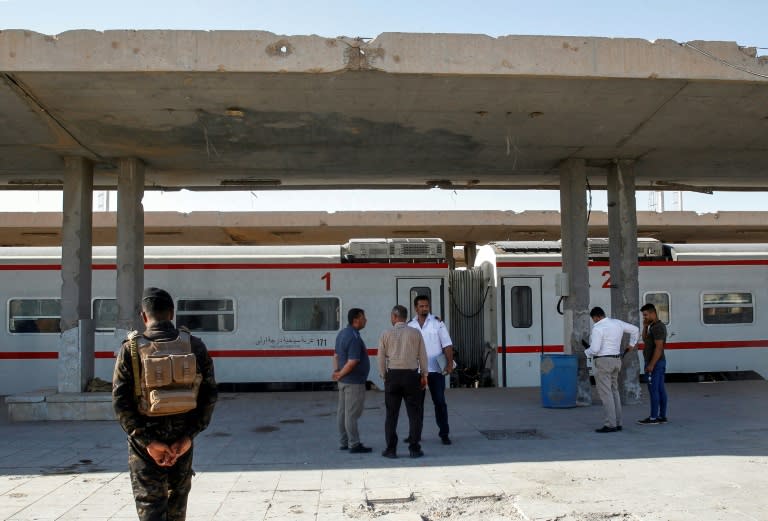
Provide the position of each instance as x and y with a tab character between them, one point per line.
521	331
434	288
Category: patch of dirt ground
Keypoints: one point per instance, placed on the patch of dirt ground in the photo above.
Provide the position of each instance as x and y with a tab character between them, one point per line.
489	508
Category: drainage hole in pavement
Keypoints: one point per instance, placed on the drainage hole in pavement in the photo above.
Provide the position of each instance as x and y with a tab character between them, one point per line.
266	428
514	434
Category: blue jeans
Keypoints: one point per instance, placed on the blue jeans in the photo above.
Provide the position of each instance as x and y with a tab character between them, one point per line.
657	391
436	383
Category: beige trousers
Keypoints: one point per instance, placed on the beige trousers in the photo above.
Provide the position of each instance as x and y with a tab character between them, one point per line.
607	379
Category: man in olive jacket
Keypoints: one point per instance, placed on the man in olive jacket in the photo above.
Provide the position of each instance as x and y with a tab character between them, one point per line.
160	447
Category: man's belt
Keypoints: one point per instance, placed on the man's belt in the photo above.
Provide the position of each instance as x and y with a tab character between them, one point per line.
607	356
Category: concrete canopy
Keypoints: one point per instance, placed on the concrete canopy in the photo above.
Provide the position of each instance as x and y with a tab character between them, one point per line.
247	110
300	228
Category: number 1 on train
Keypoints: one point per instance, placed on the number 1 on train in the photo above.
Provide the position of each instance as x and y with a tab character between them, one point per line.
327	279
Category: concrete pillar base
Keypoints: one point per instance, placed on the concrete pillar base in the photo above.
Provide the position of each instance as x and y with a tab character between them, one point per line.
76	351
48	405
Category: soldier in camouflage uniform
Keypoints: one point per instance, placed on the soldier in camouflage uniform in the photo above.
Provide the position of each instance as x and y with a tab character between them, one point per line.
160	447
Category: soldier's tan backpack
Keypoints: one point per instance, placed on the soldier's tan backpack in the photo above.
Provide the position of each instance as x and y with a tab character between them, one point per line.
166	380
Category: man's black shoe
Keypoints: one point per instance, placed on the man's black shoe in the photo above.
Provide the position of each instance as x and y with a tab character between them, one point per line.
343	447
446	440
416	453
389	454
662	419
601	429
359	449
619	428
648	421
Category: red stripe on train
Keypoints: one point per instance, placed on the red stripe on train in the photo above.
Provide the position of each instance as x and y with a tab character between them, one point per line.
335	266
294	353
215	353
44	355
268	353
532	349
651	264
275	353
724	344
21	355
233	266
718	345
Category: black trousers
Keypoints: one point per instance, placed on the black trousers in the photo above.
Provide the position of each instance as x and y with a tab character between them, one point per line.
436	384
403	384
160	492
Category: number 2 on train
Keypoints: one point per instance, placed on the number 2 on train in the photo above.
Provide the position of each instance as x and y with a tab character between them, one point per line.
606	284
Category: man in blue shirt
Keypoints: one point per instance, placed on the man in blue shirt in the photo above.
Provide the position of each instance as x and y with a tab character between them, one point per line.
350	370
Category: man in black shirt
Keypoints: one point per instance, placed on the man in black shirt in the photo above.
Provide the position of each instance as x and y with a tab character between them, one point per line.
160	446
655	337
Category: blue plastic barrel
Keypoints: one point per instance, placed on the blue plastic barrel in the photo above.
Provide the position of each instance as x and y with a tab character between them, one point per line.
558	380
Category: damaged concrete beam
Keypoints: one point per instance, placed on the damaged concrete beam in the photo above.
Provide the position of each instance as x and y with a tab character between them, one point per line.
399	53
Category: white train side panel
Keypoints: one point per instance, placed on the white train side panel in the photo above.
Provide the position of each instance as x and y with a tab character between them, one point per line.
263	344
272	314
700	340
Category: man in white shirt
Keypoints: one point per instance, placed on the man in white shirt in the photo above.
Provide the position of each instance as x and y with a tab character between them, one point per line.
438	342
605	350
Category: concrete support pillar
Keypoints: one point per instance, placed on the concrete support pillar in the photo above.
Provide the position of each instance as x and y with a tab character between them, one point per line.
470	253
449	246
625	288
130	245
573	219
76	363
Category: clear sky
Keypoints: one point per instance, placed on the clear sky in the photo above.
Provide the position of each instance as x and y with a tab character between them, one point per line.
743	21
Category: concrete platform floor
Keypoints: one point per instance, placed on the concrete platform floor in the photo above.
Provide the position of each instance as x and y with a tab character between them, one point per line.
275	456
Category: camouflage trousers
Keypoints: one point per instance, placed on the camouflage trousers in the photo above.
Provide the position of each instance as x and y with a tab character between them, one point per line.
160	492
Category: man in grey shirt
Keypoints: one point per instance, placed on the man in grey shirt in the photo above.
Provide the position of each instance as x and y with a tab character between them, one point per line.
401	356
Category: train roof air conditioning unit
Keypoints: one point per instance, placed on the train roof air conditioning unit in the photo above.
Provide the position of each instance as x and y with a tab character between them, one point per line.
598	248
393	250
416	250
649	248
365	250
528	247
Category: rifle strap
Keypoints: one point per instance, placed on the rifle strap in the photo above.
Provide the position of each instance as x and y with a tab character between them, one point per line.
135	362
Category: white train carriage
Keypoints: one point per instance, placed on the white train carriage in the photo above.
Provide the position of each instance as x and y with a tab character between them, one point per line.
709	296
270	315
267	314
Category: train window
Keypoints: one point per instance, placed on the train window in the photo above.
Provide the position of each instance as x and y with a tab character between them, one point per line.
727	308
660	301
208	315
34	315
420	291
521	299
104	314
310	313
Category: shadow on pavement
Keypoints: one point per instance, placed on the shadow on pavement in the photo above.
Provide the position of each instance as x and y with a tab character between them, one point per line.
297	431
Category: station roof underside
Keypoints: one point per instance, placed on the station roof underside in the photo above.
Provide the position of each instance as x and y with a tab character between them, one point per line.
460	227
254	110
